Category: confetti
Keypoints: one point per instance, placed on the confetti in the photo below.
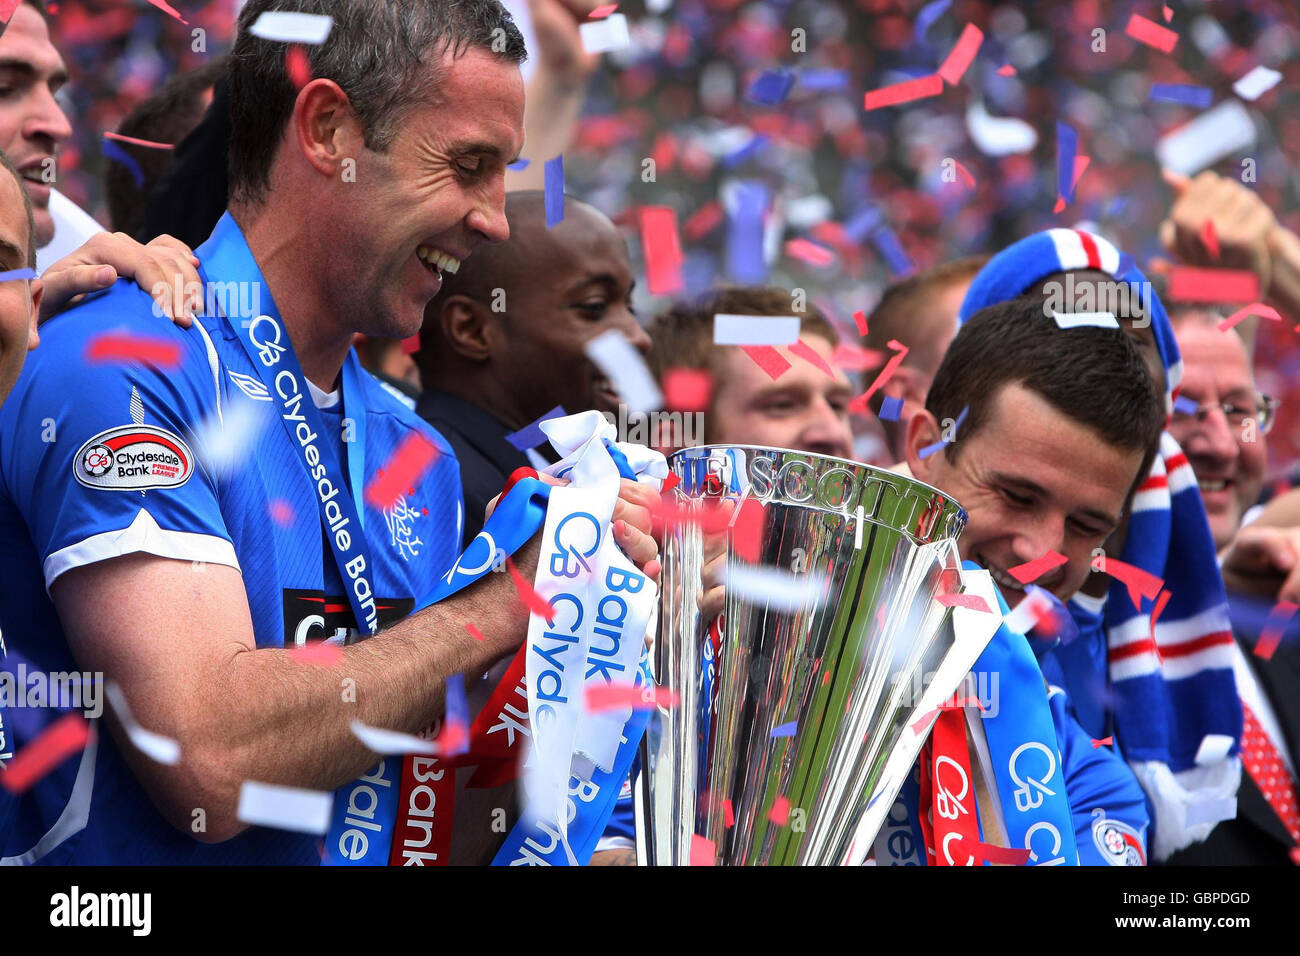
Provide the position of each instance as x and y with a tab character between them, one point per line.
602	11
931	449
891	407
15	274
1213	748
1255	308
1140	583
746	524
411	344
1185	93
860	320
703	852
117	154
454	738
927	16
1271	637
1219	132
755	329
770	87
156	747
382	741
1006	69
1188	284
150	144
905	92
824	81
57	742
860	402
1151	33
855	358
1210	238
297	65
1076	320
728	814
786	730
972	601
1103	742
289	27
535	603
408	463
117	347
626	370
809	252
1256	83
891	250
225	440
1035	569
768	359
962	54
281	512
1161	600
998	135
1067	144
475	633
701	222
967	179
554	191
662	249
1034	610
687	389
317	652
775	589
169	10
809	354
519	164
747	209
616	696
7	8
780	812
284	808
530	436
605	35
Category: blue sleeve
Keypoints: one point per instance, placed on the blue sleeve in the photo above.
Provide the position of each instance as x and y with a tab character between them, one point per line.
1106	801
622	822
98	456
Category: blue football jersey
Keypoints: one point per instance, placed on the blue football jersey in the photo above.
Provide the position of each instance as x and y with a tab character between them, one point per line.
100	460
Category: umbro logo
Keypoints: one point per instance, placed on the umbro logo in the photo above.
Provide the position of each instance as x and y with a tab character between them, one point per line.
250	386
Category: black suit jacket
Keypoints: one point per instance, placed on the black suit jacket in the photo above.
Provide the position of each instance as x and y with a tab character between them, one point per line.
1257	837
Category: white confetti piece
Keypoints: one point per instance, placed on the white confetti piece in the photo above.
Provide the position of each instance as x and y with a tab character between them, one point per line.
289	27
383	741
1024	616
626	370
605	35
284	808
998	135
755	329
1075	320
772	588
1256	83
225	438
1214	747
1208	138
156	747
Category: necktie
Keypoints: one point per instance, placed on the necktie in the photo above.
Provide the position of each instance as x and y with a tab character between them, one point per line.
1265	767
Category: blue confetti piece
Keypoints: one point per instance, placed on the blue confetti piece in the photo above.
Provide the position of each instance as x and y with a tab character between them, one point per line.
1185	406
771	87
1067	144
958	423
891	250
929	450
1186	93
17	274
891	408
457	711
824	81
786	730
519	164
746	152
926	17
745	262
1117	206
862	223
530	436
554	191
112	151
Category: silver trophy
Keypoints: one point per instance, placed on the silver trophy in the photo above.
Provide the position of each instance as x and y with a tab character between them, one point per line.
789	746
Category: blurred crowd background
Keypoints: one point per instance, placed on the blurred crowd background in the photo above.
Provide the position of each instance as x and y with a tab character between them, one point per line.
868	186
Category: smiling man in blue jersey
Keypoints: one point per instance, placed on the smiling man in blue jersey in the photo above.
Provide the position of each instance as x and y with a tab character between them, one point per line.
186	521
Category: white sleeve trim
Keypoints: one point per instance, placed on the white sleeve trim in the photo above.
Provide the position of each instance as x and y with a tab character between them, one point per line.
618	842
143	535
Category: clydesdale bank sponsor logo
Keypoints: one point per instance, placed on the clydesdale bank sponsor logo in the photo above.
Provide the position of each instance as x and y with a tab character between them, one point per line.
134	458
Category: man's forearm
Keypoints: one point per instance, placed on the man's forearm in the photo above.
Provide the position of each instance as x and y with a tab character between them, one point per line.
1284	286
551	112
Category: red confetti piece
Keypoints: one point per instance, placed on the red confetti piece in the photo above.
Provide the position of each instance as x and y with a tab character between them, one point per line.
703	852
860	403
768	359
616	696
747	529
1151	33
1140	583
317	652
7	8
687	389
1169	14
703	221
1255	308
411	460
1295	855
454	738
1156	611
860	318
780	812
809	252
918	725
1278	618
1187	284
972	601
1035	569
661	249
728	814
854	358
965	174
962	54
809	355
826	678
1103	742
1211	239
475	633
1006	69
904	92
411	345
1080	164
138	142
169	10
602	11
671	482
1007	856
281	512
535	603
297	65
56	743
116	347
710	517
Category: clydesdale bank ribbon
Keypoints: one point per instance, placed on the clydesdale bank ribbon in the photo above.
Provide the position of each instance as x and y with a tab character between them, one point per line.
602	609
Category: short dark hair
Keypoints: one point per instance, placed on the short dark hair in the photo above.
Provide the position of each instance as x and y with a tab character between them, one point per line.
7	163
167	116
1095	376
375	51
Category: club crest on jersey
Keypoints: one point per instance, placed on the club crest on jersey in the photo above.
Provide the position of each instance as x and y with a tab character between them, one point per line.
1118	843
134	458
400	519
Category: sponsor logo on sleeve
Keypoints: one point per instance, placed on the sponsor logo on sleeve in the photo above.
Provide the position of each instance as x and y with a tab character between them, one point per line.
134	458
1119	843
